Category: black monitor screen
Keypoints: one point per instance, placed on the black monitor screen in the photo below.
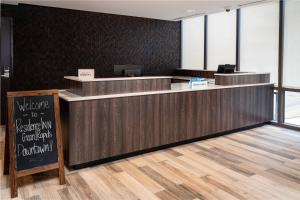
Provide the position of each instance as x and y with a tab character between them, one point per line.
128	70
226	68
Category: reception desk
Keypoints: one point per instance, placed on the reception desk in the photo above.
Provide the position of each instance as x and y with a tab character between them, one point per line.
107	126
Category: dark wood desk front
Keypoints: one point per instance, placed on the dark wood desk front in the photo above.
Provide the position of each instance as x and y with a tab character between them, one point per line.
103	128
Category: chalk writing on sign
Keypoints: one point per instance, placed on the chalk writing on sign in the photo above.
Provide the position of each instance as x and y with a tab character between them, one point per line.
35	131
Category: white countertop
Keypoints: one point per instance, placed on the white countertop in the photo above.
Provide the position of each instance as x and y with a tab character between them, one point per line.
200	70
187	78
175	87
75	78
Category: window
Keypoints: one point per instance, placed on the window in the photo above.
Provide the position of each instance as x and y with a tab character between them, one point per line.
259	39
221	39
291	60
291	67
292	108
193	43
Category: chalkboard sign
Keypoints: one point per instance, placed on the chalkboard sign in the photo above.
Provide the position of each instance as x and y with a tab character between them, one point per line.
34	134
35	131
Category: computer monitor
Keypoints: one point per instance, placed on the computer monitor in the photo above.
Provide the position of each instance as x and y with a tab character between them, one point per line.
128	70
226	69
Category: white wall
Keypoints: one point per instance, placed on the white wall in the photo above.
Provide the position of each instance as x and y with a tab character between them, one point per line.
221	39
259	39
291	67
192	44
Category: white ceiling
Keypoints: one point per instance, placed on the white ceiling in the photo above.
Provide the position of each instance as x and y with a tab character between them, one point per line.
166	10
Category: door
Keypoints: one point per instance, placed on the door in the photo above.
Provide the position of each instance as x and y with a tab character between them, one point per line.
6	62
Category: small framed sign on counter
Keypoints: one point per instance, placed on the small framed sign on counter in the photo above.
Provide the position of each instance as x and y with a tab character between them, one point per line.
86	74
34	134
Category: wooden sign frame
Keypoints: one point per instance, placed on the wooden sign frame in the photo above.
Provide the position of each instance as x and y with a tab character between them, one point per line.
11	138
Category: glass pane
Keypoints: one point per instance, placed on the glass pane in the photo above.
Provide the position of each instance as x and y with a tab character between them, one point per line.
192	43
292	108
259	39
275	109
291	73
221	39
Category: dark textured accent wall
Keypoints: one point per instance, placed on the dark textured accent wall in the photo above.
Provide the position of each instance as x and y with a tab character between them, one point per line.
8	10
50	43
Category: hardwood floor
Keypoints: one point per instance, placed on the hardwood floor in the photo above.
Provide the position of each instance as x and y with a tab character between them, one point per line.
262	163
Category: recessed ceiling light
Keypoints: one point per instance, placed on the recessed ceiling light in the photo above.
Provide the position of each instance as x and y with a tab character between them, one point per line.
190	10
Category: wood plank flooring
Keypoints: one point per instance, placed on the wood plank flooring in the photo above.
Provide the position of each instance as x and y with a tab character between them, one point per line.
261	163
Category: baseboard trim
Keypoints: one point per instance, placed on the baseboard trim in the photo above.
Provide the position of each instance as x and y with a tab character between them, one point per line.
288	126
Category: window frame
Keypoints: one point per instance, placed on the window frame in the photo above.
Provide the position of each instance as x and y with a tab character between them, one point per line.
280	89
